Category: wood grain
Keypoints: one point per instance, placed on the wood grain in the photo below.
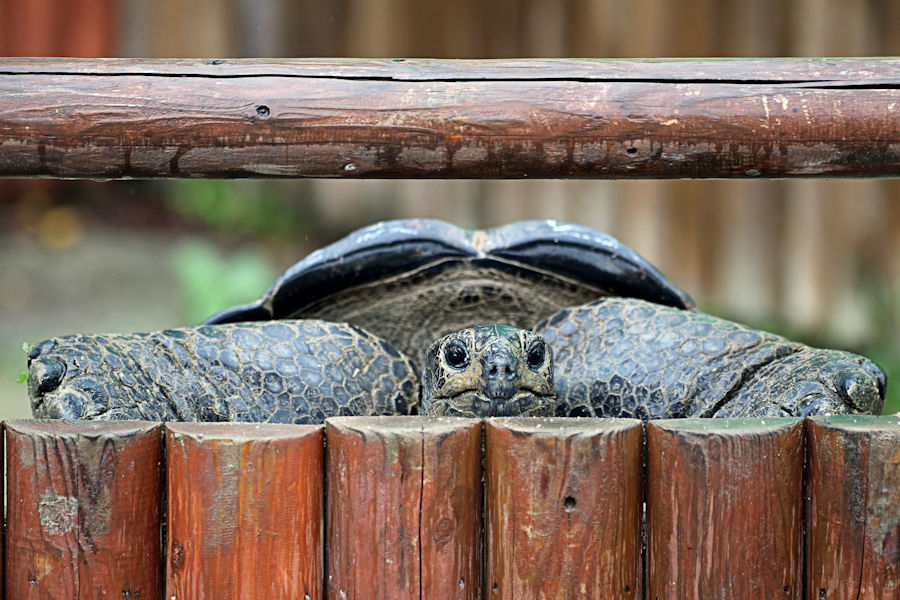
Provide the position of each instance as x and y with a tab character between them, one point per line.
244	516
425	118
563	508
853	530
724	511
84	509
404	501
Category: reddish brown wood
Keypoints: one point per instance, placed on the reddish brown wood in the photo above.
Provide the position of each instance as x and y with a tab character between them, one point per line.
563	508
3	553
84	509
853	530
724	508
244	511
57	28
403	508
834	71
366	118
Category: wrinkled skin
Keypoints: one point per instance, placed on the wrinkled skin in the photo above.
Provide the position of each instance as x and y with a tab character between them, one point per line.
630	358
489	371
279	372
616	357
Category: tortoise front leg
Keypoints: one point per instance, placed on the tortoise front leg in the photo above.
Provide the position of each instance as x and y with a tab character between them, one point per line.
282	372
622	357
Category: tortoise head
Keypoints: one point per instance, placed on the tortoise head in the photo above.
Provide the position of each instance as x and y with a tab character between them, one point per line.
489	371
48	384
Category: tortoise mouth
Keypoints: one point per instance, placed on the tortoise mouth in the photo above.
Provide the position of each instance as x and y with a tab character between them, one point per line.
476	404
67	404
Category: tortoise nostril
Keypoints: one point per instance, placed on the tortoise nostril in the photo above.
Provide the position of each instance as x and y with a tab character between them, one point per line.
45	346
500	368
47	374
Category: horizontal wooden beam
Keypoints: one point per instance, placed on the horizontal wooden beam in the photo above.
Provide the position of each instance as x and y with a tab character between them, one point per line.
122	118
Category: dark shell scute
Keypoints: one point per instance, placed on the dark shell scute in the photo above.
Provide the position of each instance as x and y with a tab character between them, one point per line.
384	250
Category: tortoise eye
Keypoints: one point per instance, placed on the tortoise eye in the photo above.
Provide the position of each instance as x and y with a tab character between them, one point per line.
456	354
536	355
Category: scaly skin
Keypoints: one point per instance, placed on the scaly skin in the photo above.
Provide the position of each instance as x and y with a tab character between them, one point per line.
617	357
279	372
623	357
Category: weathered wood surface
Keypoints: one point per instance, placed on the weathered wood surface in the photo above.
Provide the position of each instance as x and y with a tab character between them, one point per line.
562	513
424	118
853	529
244	511
724	508
84	510
563	508
404	498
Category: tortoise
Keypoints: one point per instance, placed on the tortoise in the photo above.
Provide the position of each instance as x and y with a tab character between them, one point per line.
533	318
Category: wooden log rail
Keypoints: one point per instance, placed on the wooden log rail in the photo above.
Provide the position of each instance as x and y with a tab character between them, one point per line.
407	507
123	118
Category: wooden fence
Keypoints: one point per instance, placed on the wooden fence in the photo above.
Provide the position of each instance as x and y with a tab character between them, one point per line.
810	256
446	508
605	119
407	507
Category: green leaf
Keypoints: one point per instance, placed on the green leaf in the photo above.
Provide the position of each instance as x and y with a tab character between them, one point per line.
23	377
210	279
27	347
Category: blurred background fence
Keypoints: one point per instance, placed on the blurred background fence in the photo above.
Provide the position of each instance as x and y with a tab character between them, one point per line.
815	260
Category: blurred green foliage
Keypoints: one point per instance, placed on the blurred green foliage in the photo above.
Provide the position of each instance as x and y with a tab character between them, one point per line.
251	215
884	306
211	280
23	376
242	209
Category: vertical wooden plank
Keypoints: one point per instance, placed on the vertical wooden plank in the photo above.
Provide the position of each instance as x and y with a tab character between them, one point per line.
28	28
724	508
853	528
451	510
314	28
403	508
642	222
3	533
745	249
372	28
563	508
244	516
503	31
545	28
199	28
88	27
84	509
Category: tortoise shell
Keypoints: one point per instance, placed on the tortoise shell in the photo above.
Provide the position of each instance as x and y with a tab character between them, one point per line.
414	281
341	333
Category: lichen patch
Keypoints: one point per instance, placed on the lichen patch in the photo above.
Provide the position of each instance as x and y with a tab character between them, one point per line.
57	514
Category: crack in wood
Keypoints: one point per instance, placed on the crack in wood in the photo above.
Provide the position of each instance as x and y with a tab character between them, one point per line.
827	84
